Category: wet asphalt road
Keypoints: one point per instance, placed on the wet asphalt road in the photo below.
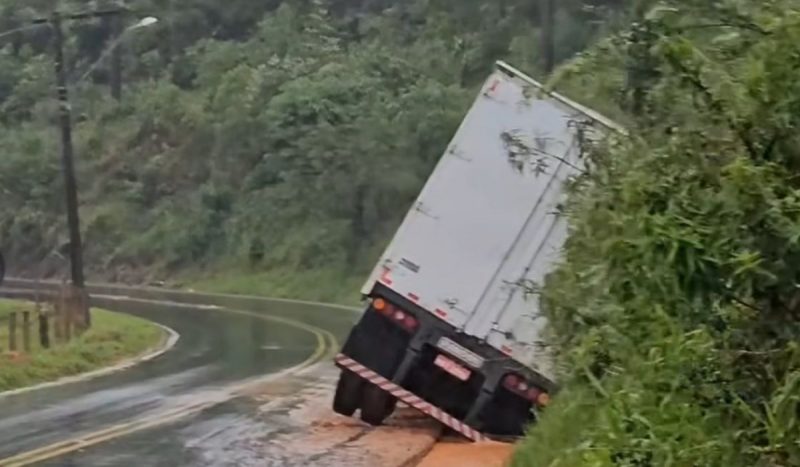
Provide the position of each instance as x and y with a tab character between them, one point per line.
218	349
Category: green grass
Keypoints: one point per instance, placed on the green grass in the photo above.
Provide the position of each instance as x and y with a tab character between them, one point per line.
326	285
113	337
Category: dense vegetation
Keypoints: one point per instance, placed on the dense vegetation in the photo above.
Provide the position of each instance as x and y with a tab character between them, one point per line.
277	141
284	139
676	309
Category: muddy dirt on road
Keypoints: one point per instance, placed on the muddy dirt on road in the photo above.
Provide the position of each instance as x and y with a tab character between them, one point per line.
458	452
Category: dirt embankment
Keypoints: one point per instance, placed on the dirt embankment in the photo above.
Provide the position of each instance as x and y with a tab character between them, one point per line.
456	452
313	435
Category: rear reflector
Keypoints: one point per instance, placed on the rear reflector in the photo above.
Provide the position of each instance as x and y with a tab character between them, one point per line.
517	384
511	381
402	318
543	400
385	276
410	322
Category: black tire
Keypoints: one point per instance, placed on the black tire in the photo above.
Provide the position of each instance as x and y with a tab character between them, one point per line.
348	394
375	405
510	417
391	404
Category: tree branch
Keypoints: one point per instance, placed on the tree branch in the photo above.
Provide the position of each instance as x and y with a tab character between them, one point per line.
771	146
693	78
745	26
743	303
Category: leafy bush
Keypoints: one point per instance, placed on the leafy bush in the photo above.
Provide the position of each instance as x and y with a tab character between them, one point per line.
676	307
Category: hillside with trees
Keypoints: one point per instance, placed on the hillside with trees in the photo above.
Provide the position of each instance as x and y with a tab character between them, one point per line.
274	145
278	142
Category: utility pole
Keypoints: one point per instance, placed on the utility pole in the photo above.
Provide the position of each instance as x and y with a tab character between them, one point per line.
67	153
547	14
67	156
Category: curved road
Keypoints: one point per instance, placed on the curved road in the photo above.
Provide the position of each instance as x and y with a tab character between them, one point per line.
172	410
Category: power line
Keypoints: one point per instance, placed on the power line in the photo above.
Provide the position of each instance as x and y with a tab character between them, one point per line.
21	29
82	15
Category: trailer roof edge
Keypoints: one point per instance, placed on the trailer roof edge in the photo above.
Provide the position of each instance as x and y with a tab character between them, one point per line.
605	121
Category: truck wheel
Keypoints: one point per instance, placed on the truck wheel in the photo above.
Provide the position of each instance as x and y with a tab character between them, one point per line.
375	405
507	421
348	394
391	404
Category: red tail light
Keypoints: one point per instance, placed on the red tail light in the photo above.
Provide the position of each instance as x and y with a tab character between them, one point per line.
402	318
511	381
522	388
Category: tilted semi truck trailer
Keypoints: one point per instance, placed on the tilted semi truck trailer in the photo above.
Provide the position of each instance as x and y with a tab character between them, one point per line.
453	326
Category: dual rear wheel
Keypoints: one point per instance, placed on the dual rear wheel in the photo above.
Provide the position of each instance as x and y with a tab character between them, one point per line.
506	414
353	393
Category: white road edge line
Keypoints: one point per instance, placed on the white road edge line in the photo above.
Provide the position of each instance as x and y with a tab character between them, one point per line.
196	293
174	336
172	339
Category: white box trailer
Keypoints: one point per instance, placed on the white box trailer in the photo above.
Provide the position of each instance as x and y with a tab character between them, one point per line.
465	263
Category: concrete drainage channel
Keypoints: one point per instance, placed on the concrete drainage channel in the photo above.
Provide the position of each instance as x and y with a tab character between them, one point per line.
309	432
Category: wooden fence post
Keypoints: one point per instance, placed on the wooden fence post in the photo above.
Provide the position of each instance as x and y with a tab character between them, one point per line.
44	330
12	331
26	331
67	321
58	321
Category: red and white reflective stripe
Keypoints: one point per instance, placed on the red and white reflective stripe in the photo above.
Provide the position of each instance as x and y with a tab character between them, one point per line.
385	276
408	398
492	88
